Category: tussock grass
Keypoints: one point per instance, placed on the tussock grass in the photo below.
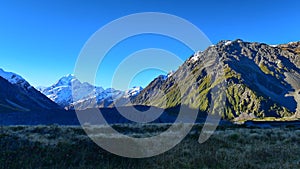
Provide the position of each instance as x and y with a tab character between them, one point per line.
229	147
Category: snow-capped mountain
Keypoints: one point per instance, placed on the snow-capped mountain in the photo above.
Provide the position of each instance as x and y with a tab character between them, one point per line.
61	92
126	97
18	95
98	100
133	92
70	93
15	79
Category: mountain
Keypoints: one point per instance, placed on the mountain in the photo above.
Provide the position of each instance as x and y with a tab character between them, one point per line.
97	99
257	80
16	94
61	92
70	93
107	99
126	98
15	79
293	50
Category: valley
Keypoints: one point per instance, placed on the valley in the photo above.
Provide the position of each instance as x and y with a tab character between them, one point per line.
229	147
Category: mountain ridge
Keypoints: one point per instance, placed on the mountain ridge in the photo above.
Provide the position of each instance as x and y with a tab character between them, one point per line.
71	93
261	79
18	95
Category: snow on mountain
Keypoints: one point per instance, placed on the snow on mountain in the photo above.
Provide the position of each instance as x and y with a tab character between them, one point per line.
69	92
133	92
109	94
99	99
15	79
228	43
69	89
170	73
18	95
195	57
165	77
274	46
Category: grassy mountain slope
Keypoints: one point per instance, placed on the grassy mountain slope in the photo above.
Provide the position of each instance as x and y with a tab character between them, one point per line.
249	79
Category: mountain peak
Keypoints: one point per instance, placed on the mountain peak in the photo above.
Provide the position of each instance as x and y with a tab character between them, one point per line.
136	88
229	42
66	80
18	95
69	76
14	79
133	91
69	93
291	45
294	43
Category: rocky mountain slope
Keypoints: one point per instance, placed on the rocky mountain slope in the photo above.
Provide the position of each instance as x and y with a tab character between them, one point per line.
250	80
16	94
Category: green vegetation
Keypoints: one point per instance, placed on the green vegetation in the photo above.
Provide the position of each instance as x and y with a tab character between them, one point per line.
229	147
265	69
172	97
282	111
242	99
202	97
229	74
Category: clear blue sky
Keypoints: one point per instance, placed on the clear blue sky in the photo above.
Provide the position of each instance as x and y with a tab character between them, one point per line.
41	40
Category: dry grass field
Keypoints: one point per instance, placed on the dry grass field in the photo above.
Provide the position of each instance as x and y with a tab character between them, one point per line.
229	147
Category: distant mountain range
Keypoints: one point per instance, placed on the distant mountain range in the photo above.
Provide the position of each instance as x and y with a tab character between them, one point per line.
69	92
260	81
